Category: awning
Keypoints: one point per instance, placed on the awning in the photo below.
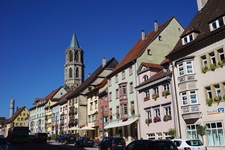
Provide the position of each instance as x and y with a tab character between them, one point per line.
120	124
73	128
87	128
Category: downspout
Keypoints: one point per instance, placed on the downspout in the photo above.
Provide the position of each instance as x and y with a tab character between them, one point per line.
139	123
176	100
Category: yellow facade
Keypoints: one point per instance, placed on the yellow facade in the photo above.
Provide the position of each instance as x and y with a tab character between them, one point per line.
48	116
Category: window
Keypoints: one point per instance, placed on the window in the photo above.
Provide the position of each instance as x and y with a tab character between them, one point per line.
77	72
70	56
148	114
145	78
116	78
166	87
204	61
216	24
214	134
76	56
184	98
193	97
130	70
188	39
91	105
217	90
192	132
209	92
189	97
131	87
181	69
123	74
221	55
186	68
146	94
167	110
157	112
96	104
151	136
110	96
149	52
156	90
117	93
212	58
70	73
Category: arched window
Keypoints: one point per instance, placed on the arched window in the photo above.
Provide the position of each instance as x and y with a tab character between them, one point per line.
145	78
70	56
76	56
70	73
77	72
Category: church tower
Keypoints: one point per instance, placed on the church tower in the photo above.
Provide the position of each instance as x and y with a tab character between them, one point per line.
74	66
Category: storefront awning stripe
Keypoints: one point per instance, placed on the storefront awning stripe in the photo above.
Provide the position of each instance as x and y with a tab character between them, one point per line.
119	124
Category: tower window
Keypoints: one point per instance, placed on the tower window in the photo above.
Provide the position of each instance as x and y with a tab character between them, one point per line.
70	56
70	73
77	72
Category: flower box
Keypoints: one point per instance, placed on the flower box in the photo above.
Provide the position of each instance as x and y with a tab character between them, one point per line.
209	102
217	99
146	98
148	121
212	67
204	69
165	93
167	117
157	119
155	96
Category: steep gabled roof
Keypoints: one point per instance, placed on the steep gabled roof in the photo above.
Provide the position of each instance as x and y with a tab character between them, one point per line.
52	94
15	114
109	64
200	25
140	46
149	66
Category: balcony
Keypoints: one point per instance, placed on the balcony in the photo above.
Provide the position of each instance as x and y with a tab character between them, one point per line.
191	112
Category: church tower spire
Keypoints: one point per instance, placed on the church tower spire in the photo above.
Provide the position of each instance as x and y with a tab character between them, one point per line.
74	66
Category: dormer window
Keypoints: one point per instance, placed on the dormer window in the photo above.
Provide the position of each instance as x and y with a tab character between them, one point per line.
188	38
216	24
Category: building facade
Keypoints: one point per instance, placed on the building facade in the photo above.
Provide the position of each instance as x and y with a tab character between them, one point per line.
198	68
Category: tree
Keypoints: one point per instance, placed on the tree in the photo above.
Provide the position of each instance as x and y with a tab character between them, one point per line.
201	131
172	133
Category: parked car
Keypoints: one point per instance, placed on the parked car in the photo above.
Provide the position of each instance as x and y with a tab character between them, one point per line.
189	144
41	137
68	138
3	143
112	143
151	145
31	138
84	142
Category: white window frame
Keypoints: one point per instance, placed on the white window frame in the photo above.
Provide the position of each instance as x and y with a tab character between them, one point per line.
216	23
214	129
188	100
184	67
188	38
167	110
157	112
150	136
148	114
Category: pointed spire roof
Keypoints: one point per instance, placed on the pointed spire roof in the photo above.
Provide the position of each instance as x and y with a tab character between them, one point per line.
74	43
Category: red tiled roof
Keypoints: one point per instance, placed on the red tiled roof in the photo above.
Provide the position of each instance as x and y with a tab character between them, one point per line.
52	94
151	65
141	45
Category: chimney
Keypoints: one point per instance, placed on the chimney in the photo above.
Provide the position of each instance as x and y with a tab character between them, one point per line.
103	62
89	74
142	35
201	4
156	25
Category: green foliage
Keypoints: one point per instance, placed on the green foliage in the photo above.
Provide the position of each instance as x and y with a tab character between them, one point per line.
204	69
220	63
155	96
209	102
53	136
172	133
217	99
201	130
212	67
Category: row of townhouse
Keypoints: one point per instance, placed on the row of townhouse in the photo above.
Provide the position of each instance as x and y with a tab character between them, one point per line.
170	79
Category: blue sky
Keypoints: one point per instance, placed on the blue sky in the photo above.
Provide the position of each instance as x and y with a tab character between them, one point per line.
34	35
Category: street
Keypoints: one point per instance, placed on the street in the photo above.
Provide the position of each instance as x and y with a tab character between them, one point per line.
47	146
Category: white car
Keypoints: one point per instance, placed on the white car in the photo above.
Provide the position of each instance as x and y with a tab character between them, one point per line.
189	144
